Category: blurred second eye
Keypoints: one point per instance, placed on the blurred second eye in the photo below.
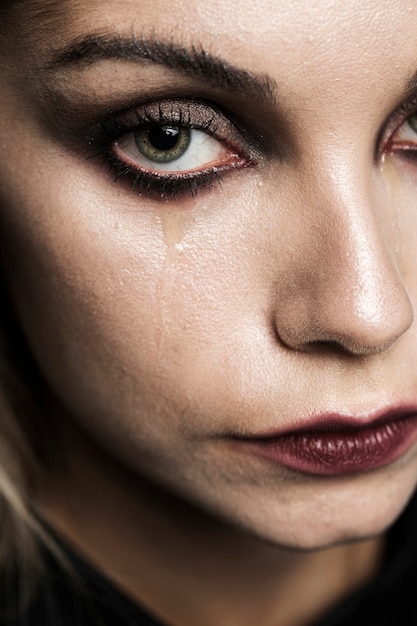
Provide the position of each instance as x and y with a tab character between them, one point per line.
405	137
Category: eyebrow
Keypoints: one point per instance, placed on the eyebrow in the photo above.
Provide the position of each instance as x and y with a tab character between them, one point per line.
194	61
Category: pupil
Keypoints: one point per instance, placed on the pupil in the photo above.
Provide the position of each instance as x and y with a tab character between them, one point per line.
164	137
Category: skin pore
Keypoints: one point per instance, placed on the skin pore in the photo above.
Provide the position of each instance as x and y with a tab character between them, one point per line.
165	323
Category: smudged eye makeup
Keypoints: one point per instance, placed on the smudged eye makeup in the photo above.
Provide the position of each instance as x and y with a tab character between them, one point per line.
170	147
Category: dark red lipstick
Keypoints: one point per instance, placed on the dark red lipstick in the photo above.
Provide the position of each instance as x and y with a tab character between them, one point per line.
336	445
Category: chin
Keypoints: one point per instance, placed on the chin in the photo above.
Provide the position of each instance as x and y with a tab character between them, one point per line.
317	515
317	535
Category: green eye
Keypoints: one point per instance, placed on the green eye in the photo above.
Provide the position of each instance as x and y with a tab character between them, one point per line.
163	144
412	121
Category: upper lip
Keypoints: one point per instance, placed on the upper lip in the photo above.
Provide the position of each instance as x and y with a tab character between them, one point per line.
333	422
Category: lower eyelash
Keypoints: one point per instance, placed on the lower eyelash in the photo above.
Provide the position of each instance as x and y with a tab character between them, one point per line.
162	186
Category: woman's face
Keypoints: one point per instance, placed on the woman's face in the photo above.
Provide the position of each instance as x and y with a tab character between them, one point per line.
209	225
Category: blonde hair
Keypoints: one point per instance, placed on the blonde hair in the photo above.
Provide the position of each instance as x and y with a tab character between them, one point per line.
21	532
19	528
24	462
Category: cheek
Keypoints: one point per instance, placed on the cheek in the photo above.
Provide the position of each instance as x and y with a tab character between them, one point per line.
138	317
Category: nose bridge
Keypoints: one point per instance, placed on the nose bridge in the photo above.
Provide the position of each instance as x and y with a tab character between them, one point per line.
348	289
363	265
368	272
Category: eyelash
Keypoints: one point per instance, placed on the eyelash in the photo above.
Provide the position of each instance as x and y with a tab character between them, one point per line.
185	114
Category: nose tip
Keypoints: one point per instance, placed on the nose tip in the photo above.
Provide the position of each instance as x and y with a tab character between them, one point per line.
347	296
339	330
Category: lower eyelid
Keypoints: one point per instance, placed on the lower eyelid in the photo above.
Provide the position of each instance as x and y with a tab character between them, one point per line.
168	187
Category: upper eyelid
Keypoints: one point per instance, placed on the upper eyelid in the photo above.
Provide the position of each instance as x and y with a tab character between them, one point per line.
76	116
193	114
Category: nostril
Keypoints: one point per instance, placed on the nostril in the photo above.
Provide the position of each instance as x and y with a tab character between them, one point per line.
339	329
348	349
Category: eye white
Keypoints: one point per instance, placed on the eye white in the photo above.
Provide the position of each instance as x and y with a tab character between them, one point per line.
204	151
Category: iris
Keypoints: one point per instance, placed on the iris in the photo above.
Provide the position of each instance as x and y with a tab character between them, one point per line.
163	144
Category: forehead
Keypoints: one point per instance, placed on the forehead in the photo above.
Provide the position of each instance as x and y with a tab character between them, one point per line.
308	29
298	43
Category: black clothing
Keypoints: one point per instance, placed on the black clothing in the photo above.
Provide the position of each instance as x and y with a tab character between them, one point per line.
390	600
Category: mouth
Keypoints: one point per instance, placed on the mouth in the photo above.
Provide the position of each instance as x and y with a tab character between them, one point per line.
334	445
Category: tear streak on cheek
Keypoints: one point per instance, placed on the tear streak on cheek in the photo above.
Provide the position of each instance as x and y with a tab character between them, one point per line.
174	224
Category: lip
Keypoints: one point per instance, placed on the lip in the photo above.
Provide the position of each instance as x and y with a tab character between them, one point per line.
334	445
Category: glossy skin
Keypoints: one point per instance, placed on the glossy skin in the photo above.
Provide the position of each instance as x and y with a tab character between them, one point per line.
287	292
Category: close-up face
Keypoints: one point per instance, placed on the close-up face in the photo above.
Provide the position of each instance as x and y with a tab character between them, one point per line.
209	226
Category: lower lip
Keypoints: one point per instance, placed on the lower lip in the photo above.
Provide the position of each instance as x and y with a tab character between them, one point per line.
337	452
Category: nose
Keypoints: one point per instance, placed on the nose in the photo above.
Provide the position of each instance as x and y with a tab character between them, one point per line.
341	286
